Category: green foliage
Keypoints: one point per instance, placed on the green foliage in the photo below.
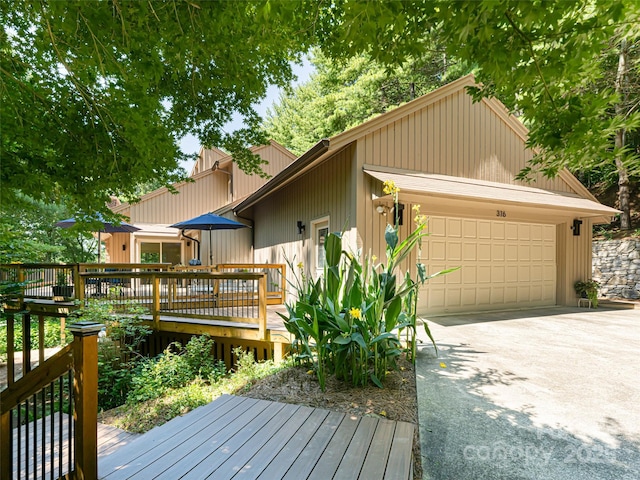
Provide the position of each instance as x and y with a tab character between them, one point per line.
349	322
117	351
52	334
341	95
176	368
140	417
28	233
590	289
95	95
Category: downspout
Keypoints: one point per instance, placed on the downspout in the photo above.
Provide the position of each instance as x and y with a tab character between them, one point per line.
191	238
216	168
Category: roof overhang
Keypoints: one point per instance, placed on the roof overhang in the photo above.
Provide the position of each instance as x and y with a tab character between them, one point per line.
309	159
156	230
445	186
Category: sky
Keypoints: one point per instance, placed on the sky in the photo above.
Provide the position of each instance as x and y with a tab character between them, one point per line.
190	144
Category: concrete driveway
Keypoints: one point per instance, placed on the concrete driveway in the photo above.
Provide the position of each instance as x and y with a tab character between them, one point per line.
540	394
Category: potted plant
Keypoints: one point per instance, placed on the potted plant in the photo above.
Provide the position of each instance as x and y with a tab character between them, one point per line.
588	289
62	287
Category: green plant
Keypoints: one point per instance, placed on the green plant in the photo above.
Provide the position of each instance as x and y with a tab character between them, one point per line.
590	289
61	278
118	351
52	334
350	320
176	367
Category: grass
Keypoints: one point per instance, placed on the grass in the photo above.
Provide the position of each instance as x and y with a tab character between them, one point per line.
142	417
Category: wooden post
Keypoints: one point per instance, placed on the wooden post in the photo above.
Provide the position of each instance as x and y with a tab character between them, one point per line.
6	452
262	306
11	353
283	287
85	390
40	340
21	280
78	283
156	303
26	342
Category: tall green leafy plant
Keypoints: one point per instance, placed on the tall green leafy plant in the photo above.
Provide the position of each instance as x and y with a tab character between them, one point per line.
349	322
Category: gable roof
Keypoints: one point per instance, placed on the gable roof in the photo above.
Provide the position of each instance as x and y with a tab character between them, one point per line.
224	160
327	147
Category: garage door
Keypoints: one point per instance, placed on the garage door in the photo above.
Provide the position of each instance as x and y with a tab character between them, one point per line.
503	265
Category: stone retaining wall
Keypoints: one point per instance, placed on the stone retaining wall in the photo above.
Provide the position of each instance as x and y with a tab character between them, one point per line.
616	266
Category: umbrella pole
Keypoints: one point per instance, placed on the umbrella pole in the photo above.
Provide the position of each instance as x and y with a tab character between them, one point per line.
99	246
210	252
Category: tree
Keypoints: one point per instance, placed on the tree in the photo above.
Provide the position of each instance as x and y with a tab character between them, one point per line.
341	95
541	58
28	234
94	95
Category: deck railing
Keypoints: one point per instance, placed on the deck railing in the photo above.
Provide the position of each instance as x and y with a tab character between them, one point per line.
48	417
58	281
237	299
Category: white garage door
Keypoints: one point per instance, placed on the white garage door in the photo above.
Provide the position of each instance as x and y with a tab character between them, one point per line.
503	265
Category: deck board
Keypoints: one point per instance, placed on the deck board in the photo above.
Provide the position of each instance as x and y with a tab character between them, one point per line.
243	438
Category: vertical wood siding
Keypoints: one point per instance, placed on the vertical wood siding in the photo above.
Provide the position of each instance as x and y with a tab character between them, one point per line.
208	192
326	190
277	158
227	246
575	256
455	137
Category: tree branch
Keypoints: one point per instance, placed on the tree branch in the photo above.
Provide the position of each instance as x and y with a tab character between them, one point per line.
533	55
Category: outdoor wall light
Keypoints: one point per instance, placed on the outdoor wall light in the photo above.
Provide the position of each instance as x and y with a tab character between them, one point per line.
576	227
381	209
301	227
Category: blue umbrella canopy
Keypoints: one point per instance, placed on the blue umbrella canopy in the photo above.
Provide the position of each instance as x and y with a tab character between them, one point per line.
209	221
107	227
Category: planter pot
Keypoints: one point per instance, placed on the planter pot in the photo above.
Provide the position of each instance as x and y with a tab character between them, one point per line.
65	291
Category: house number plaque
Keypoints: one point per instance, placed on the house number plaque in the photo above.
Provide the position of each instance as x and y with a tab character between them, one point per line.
501	213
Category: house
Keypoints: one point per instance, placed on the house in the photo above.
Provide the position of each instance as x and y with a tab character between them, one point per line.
518	245
217	183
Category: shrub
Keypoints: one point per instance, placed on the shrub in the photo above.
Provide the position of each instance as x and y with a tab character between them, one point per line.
175	368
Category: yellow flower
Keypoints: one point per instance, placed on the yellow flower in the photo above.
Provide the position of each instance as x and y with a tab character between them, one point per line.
416	208
443	365
355	313
300	265
374	258
389	187
383	413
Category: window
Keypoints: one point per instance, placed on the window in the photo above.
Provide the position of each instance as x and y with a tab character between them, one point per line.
164	252
320	230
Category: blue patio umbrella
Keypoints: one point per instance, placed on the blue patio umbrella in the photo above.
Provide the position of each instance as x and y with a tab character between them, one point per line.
210	222
107	227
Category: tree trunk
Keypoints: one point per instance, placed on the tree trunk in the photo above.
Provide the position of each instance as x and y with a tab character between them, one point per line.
623	176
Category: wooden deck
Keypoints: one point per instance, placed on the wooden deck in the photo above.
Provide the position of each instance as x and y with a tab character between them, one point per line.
110	439
245	438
